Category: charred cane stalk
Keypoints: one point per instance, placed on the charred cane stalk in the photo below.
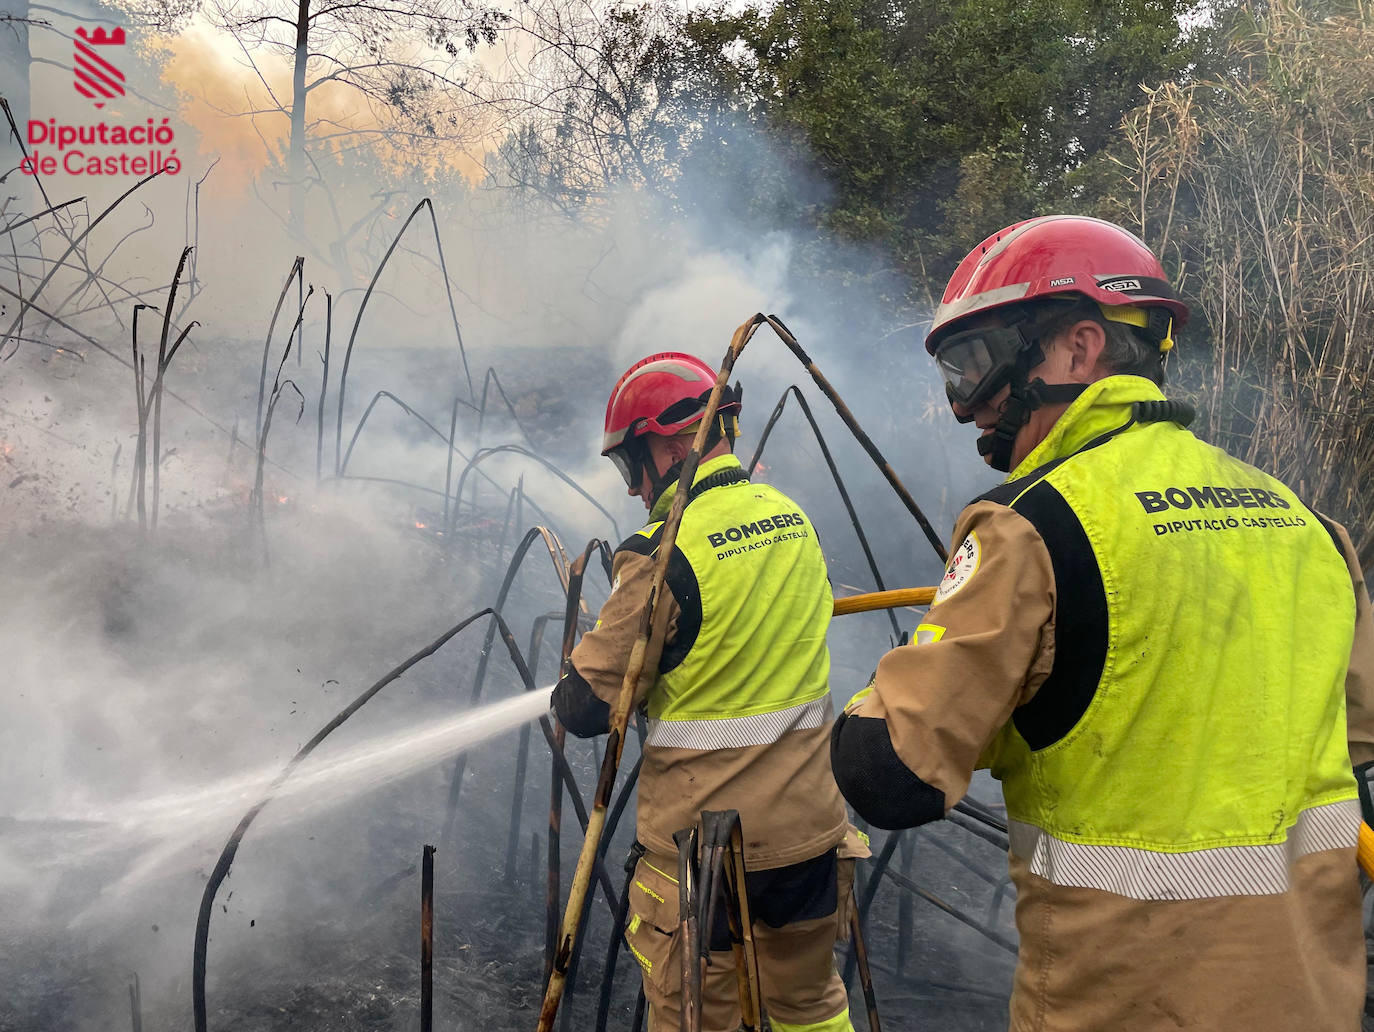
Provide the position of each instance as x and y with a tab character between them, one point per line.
164	359
427	941
576	574
136	1004
865	897
864	440
603	1005
324	385
865	977
908	849
560	562
689	932
297	270
136	487
362	307
517	798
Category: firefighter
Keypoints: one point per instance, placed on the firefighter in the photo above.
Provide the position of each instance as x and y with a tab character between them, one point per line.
1165	657
738	705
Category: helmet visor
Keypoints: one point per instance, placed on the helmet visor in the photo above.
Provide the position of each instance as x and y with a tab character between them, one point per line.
976	364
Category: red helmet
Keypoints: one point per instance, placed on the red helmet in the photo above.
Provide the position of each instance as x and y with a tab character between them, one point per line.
661	394
653	398
1052	256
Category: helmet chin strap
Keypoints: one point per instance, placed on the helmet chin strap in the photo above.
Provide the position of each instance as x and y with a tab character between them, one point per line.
1024	399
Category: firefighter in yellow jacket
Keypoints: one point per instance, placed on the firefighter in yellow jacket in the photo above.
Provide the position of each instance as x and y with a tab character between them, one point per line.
738	707
1165	657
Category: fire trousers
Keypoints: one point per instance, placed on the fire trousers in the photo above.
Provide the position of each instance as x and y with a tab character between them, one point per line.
802	991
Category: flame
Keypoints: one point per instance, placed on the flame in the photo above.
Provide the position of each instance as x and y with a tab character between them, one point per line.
281	499
419	525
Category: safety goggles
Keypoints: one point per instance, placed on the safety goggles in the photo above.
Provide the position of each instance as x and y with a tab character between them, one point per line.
630	458
976	364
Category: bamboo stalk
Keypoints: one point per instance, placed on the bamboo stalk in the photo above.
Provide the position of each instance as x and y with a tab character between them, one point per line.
554	883
427	941
164	359
865	976
139	481
959	915
863	899
362	307
603	1005
689	930
746	953
297	269
517	799
324	385
560	563
908	850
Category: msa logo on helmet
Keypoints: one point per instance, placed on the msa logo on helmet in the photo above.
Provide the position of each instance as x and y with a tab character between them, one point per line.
1063	281
1121	283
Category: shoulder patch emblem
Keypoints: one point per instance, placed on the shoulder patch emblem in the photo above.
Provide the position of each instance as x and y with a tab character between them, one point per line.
963	564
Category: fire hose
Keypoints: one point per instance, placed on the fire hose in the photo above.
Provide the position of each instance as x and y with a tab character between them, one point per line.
892	599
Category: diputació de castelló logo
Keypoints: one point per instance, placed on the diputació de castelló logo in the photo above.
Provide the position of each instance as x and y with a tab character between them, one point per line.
93	74
99	149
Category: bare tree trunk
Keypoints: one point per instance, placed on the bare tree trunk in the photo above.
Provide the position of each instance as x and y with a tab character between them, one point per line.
296	157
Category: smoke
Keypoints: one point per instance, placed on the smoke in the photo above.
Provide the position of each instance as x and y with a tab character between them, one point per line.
147	666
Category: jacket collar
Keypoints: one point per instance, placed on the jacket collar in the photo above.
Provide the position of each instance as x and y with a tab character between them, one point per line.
1104	406
706	469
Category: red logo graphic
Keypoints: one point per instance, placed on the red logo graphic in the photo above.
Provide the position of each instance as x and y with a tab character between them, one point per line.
94	76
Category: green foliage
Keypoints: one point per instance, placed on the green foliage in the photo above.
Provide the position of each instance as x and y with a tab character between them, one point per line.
935	122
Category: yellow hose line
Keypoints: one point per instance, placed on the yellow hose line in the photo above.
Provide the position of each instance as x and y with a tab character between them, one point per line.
871	600
1364	851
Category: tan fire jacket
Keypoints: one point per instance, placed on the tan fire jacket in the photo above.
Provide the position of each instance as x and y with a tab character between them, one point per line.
739	709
